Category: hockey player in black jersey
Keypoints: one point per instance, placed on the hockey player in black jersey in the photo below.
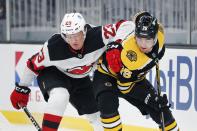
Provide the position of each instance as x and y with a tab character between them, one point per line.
122	73
62	69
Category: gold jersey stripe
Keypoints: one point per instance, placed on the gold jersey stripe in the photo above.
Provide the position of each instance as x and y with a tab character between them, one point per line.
128	90
100	69
130	83
110	120
124	84
171	126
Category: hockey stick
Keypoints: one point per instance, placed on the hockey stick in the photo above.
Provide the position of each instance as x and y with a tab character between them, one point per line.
34	122
159	92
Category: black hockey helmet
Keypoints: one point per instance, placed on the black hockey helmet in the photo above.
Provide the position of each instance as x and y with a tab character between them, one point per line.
146	25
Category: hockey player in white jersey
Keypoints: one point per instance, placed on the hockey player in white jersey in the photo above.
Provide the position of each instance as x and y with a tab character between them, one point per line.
62	69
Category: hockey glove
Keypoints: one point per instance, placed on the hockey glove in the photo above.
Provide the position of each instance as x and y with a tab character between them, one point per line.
163	101
20	96
113	57
158	103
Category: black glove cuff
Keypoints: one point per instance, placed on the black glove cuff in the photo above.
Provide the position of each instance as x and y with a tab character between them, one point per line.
22	89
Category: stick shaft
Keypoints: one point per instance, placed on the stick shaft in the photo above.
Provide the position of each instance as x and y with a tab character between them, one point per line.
159	93
34	122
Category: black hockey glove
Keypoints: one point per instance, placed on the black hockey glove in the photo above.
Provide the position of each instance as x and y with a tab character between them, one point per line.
162	102
158	103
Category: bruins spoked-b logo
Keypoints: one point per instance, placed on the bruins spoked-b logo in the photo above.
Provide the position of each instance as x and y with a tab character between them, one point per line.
132	56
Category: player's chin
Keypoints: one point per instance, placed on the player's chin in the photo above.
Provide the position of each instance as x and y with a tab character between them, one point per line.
76	47
145	50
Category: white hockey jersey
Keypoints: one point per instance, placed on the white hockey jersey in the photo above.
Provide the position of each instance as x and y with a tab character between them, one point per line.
56	52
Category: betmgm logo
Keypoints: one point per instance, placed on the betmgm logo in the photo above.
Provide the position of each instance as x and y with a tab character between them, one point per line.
20	64
179	82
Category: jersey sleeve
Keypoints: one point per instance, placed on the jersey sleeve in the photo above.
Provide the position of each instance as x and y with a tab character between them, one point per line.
40	60
27	77
123	30
34	64
117	32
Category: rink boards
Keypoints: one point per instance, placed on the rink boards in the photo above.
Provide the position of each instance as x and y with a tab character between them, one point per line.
178	81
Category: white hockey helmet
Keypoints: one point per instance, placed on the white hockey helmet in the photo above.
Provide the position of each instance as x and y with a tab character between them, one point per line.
72	23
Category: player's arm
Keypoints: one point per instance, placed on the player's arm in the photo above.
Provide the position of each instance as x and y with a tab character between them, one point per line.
117	32
20	95
39	61
34	65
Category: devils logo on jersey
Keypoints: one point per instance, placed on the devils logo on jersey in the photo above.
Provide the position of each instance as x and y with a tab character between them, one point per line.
80	69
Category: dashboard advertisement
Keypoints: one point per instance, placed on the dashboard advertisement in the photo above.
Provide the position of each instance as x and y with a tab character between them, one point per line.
178	77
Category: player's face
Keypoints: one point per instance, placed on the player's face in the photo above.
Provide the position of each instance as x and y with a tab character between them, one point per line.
145	44
76	41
